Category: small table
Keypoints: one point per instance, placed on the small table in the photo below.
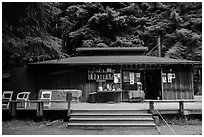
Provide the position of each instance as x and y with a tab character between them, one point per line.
109	96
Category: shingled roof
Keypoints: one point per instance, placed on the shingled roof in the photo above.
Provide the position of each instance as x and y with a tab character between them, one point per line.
116	60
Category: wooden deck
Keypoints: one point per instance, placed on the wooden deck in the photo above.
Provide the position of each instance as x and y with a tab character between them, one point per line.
162	107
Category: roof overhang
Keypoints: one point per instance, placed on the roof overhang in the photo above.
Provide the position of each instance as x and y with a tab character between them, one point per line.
115	60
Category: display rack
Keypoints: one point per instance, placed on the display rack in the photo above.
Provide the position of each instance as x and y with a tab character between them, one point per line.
100	75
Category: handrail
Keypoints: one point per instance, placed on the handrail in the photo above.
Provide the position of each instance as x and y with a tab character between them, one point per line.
165	122
164	101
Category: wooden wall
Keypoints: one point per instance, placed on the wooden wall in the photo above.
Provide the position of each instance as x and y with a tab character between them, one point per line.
182	86
67	78
33	79
21	79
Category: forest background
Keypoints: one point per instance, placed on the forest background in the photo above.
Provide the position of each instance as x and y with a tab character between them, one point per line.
39	31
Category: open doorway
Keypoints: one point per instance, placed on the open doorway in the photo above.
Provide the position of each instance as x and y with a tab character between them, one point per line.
153	84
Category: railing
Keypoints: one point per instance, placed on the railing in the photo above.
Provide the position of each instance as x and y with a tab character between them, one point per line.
166	122
39	107
181	104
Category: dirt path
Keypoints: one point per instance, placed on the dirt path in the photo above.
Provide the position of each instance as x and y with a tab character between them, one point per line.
181	130
31	128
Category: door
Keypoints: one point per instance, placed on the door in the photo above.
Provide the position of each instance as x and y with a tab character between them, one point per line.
153	84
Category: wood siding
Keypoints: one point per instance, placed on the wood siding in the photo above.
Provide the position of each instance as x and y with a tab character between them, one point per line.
33	79
182	86
21	79
75	78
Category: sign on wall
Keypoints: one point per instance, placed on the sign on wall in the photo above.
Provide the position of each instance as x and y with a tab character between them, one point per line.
168	77
132	78
117	78
164	77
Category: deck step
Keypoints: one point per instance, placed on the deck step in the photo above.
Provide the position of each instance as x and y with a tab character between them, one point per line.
111	124
110	113
111	118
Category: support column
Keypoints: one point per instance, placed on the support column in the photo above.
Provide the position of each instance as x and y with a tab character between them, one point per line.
12	109
39	109
151	107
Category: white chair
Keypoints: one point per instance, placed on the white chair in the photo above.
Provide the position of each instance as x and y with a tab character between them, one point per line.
46	95
24	96
7	95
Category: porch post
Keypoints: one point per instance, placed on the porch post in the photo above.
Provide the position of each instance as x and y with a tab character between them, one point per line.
69	99
12	109
39	109
181	108
151	107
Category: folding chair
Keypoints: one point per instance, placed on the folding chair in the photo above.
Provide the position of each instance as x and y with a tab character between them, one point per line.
24	96
7	95
46	95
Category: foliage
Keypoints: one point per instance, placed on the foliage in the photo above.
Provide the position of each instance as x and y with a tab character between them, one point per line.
42	31
25	34
135	24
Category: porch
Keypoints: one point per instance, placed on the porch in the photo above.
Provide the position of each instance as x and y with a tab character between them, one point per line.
188	107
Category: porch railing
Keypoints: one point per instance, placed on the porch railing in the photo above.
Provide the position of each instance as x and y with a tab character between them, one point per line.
181	104
39	106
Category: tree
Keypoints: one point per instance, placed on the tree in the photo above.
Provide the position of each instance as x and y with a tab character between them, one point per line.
25	33
42	31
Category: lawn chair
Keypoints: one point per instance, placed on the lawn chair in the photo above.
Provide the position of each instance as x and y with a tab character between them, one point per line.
23	96
46	95
7	95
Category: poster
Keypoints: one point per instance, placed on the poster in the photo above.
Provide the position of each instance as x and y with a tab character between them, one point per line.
132	78
117	78
169	78
137	77
164	77
126	77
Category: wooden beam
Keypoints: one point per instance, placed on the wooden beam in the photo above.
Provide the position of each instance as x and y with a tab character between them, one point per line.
69	99
181	108
151	107
12	109
39	109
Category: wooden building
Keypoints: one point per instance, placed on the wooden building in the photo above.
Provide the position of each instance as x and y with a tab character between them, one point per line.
114	72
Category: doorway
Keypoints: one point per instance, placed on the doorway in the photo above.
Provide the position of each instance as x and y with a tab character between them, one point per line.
153	84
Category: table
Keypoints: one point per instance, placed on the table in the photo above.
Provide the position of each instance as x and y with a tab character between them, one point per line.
109	96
